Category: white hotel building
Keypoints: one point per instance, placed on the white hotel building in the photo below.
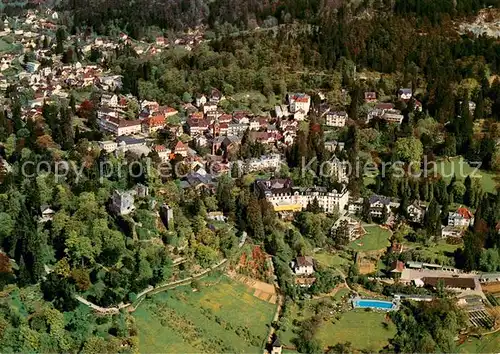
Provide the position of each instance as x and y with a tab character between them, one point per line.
286	198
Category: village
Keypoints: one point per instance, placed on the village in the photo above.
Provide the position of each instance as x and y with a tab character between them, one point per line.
206	140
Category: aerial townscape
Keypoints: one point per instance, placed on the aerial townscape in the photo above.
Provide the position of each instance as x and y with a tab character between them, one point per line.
213	176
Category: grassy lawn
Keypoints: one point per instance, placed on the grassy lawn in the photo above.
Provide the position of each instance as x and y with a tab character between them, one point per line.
487	344
376	238
222	317
446	168
441	252
331	260
365	330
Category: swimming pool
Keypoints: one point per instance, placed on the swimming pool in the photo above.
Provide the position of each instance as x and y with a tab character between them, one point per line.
373	304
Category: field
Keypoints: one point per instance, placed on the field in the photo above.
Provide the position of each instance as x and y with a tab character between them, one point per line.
487	344
376	238
461	169
368	331
222	317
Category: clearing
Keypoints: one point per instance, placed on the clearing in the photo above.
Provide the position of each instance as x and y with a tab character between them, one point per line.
221	317
366	330
376	238
461	169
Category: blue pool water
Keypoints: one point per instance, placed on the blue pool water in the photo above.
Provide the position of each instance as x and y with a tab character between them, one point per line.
374	304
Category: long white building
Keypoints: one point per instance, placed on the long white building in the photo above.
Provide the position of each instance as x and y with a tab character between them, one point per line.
286	198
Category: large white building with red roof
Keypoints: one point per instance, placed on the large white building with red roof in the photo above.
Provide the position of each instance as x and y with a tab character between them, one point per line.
462	217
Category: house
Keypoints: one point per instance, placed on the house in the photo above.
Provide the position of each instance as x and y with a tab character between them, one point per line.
405	94
378	111
299	102
200	100
108	145
163	152
416	212
122	202
336	119
303	265
393	116
347	228
276	346
209	107
197	126
216	95
180	149
47	213
452	231
153	124
355	206
397	268
370	97
461	218
265	162
378	204
108	99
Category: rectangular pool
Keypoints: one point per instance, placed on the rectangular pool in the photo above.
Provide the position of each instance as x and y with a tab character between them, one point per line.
373	304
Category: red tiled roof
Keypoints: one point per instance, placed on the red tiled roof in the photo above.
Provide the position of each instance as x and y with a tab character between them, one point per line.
180	146
465	213
155	121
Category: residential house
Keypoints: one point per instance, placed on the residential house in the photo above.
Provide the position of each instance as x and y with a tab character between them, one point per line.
462	217
416	212
355	206
108	99
299	102
209	107
197	126
47	213
163	152
303	265
347	228
336	119
378	204
108	145
200	100
397	268
265	162
370	97
405	94
180	149
393	116
276	346
216	96
122	202
153	124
